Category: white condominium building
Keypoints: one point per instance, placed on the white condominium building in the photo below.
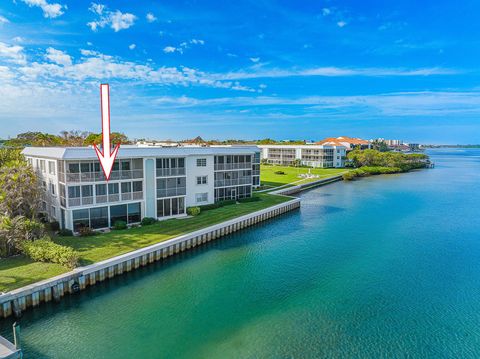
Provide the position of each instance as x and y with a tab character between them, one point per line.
145	182
307	155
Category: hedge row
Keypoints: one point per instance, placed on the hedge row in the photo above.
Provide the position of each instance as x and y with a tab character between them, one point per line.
218	204
44	250
249	199
365	171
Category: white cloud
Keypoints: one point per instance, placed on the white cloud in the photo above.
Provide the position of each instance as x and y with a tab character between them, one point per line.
183	46
132	46
97	8
335	72
5	73
115	19
387	104
169	49
150	17
18	39
89	52
121	20
58	57
255	59
3	20
93	67
49	10
341	23
326	11
12	53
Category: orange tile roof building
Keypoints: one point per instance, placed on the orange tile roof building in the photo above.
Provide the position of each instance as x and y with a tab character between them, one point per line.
349	142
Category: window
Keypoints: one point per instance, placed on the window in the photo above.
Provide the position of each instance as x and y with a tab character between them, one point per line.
118	213
101	189
87	191
170	207
42	165
44	185
125	165
113	188
99	217
167	187
53	212
80	219
201	197
52	188
73	191
73	168
134	212
137	186
51	167
126	187
201	162
202	180
86	167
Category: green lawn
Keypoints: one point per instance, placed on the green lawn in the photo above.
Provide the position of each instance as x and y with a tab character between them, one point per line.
20	271
268	177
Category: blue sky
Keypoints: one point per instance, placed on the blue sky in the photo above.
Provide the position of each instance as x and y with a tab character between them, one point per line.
243	69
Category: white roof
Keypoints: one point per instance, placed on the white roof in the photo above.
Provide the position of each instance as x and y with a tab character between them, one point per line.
128	151
308	147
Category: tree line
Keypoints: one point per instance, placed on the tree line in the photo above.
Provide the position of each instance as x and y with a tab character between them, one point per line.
373	162
21	230
64	139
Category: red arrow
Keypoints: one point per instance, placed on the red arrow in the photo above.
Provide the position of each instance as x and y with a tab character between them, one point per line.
106	157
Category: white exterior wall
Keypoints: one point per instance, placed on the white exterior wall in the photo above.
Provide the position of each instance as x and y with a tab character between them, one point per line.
338	158
148	203
298	153
340	154
50	198
192	172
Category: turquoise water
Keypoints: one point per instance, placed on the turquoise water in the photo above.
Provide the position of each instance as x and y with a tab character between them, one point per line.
382	267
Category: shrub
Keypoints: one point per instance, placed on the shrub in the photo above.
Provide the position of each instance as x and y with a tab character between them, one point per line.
193	211
54	226
206	207
44	250
349	176
279	172
227	202
146	221
65	232
249	199
86	231
120	225
370	171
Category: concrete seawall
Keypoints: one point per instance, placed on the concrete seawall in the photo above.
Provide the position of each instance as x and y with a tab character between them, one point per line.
18	300
305	186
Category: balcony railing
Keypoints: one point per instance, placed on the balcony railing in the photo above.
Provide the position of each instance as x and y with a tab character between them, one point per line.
233	166
171	192
99	176
233	182
101	199
169	172
83	201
